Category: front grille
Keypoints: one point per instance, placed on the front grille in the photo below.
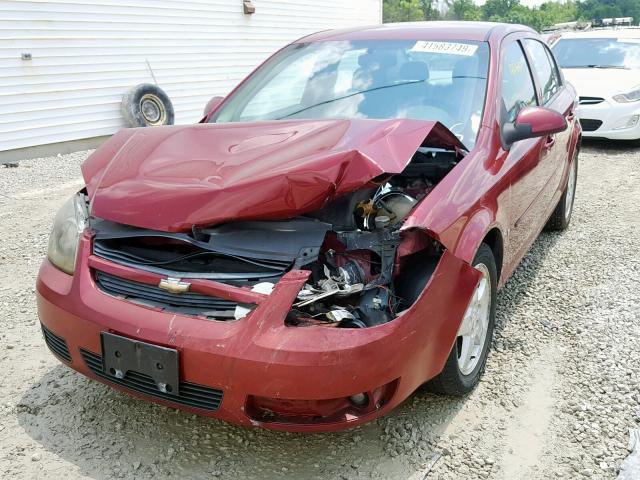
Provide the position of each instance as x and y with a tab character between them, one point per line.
188	302
185	258
190	394
589	125
591	100
56	344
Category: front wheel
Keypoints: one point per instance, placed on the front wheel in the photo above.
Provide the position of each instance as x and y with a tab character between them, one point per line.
561	216
468	357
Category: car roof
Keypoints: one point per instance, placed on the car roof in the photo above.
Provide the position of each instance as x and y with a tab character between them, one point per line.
476	31
605	33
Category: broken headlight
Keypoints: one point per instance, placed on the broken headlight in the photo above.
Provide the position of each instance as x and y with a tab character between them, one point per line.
65	234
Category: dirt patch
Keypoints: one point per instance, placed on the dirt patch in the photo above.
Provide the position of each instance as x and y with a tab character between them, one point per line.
528	424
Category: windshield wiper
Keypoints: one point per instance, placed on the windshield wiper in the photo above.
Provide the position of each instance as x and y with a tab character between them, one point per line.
348	96
620	67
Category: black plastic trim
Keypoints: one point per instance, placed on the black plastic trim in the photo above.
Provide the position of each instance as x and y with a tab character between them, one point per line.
189	303
56	344
191	394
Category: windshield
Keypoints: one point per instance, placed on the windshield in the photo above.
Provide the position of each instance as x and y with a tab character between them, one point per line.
598	52
426	80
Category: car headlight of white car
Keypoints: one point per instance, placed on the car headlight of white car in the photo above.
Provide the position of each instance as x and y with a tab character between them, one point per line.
69	223
632	96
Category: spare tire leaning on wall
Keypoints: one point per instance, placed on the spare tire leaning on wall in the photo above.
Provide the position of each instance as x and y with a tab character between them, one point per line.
147	105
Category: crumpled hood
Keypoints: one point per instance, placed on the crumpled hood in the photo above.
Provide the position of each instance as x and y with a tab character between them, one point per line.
175	177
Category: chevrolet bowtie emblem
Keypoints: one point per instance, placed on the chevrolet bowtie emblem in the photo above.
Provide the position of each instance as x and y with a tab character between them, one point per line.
174	285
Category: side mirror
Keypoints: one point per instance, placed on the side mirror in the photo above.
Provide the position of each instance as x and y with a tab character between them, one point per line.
212	105
533	122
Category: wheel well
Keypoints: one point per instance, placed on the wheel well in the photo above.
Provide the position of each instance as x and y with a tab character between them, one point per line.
494	239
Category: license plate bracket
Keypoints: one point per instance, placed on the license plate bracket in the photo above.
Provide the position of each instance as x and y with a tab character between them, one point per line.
121	355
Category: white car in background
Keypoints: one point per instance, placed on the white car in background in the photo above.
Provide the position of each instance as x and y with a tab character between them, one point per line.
604	67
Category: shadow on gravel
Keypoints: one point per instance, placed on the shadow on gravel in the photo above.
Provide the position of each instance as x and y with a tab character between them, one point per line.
518	286
108	434
609	145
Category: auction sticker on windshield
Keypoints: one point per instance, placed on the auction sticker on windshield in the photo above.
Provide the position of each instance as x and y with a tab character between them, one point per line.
451	48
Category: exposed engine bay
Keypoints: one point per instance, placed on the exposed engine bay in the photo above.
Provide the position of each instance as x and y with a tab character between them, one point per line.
350	247
352	284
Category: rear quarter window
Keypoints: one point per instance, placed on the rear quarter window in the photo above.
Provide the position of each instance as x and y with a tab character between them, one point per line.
544	69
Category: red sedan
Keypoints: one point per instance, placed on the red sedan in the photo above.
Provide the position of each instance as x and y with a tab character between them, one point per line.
328	238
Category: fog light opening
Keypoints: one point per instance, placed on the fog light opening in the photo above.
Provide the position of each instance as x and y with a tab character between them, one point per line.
359	399
632	122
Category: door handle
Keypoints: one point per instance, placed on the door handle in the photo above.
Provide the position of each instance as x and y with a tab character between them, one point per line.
549	142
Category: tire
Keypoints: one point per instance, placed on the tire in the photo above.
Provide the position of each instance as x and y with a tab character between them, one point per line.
147	105
561	216
453	380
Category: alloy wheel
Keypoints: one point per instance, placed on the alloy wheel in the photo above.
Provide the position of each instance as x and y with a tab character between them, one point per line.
472	334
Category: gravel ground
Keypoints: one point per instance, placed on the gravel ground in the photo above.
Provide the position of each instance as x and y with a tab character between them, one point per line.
560	392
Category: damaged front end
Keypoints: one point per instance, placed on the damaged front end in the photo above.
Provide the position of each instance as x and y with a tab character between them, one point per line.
362	269
310	299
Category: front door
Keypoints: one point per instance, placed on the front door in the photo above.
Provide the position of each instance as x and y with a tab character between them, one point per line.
526	161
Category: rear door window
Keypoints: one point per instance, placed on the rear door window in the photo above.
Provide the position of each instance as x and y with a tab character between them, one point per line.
544	68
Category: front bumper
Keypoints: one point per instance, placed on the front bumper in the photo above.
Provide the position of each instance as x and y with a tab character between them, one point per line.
615	118
258	362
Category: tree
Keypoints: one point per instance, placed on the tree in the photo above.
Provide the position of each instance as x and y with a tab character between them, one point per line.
402	11
599	9
523	15
429	11
557	12
409	10
630	8
464	10
512	11
498	10
552	12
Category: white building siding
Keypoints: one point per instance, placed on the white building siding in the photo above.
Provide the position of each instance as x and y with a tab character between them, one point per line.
87	54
